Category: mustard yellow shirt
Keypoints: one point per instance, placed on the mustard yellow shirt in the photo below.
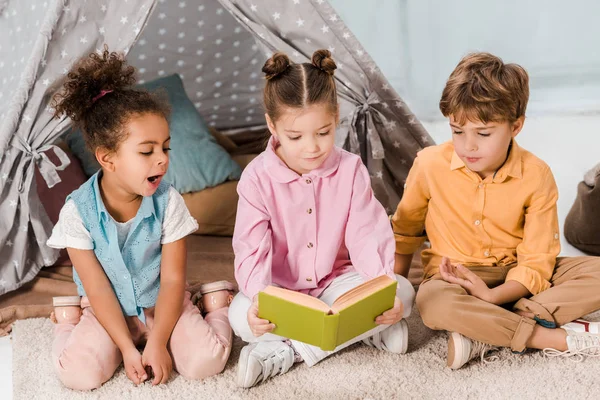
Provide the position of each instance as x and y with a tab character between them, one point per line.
502	219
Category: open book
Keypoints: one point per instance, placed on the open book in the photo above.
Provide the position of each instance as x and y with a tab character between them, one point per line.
307	319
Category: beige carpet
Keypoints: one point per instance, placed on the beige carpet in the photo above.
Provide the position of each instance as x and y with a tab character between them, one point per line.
357	373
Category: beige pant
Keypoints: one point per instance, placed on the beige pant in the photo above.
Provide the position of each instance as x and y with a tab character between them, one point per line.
575	292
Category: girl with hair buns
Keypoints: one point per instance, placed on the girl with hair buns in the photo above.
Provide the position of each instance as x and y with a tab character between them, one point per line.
124	230
307	220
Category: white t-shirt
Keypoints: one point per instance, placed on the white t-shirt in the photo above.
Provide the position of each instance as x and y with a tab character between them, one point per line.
70	231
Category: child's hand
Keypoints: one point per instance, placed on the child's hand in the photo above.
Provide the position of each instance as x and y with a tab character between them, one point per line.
157	357
258	326
392	315
461	275
134	369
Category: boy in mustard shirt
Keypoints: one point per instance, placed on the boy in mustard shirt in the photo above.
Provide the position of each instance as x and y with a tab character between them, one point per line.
488	209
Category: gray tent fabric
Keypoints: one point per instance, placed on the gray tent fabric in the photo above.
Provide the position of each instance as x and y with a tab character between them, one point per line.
220	65
218	48
376	123
217	59
43	41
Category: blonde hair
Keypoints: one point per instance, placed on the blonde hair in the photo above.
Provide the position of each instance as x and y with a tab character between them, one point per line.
483	88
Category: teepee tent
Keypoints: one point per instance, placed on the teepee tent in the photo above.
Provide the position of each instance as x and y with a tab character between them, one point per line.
218	49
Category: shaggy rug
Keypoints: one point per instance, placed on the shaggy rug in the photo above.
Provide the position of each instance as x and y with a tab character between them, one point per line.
359	372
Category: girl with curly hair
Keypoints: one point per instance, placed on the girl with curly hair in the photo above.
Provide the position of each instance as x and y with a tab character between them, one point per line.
124	230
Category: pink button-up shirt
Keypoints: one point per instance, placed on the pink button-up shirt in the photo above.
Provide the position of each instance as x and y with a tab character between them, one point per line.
300	232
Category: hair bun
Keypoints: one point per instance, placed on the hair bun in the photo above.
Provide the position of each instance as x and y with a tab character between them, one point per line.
276	65
322	60
89	79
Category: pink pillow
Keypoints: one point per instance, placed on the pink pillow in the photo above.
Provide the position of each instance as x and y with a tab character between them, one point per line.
54	198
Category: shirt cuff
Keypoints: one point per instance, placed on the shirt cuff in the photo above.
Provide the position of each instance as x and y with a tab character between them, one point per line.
69	241
408	244
529	278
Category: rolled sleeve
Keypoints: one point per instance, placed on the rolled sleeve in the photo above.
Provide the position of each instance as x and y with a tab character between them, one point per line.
536	254
408	244
408	222
530	278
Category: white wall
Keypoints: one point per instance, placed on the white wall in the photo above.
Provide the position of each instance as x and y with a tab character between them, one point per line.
417	43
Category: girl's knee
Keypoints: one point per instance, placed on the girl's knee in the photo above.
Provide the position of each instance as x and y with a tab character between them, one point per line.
238	310
205	363
79	374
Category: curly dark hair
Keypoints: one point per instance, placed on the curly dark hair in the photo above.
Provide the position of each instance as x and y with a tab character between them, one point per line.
99	97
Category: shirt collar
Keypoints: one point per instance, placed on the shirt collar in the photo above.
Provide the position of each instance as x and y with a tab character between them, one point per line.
283	174
146	209
511	167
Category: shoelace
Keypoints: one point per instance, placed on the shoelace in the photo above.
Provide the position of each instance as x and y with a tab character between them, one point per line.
586	345
275	365
482	349
375	341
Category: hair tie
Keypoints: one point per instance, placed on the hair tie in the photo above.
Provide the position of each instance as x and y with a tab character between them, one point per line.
102	93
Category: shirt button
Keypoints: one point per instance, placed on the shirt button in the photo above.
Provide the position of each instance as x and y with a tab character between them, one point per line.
309	211
125	277
309	181
477	222
487	253
308	279
481	186
309	245
556	236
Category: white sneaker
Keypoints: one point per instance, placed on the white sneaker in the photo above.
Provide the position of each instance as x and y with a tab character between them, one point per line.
461	350
393	339
579	345
581	325
262	360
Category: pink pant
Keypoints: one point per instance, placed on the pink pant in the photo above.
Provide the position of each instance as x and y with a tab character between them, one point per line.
85	356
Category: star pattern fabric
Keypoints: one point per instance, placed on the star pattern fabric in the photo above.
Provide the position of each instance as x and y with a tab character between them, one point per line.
39	42
218	47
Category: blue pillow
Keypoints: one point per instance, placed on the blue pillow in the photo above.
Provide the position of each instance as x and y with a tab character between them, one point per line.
196	161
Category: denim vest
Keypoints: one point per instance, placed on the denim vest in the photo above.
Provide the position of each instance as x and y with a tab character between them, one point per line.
134	272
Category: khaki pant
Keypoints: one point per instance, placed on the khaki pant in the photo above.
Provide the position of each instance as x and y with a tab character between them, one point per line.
575	292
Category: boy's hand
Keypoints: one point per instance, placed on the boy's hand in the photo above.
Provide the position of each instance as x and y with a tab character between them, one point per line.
258	326
156	356
392	315
461	275
134	369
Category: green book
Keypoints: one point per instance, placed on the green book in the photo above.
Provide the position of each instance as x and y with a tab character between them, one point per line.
307	319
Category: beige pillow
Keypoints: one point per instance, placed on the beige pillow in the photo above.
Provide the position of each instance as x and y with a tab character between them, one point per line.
215	208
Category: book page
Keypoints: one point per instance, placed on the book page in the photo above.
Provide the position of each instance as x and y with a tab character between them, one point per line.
298	298
360	292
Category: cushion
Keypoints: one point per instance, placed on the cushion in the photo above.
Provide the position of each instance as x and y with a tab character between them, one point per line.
196	160
582	227
54	198
215	208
